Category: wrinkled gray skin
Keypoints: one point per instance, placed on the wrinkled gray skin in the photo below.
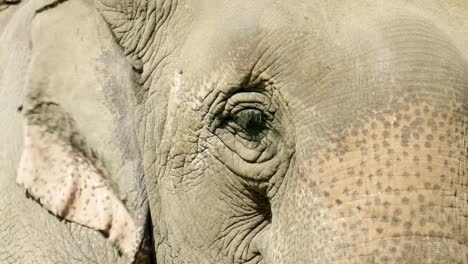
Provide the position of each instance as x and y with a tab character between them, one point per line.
267	131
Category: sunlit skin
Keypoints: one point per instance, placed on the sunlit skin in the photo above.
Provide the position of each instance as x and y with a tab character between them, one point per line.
255	132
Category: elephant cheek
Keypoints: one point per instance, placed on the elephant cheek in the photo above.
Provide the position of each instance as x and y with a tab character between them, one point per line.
392	190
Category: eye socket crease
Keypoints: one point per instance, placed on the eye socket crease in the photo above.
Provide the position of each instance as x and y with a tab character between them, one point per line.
248	130
248	124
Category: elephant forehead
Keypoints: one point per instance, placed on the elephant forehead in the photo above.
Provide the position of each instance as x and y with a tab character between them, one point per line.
308	39
316	61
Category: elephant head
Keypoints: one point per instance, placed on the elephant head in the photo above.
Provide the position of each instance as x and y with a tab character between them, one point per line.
298	131
301	132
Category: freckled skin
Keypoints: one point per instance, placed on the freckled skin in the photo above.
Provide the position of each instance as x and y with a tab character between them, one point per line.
68	179
385	205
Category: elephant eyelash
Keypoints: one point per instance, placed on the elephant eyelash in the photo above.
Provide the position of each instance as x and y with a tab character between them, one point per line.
253	121
250	124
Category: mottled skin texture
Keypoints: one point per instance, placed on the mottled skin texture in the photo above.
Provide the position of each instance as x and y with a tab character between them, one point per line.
292	132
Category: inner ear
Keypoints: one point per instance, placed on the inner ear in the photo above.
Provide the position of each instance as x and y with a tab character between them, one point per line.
65	177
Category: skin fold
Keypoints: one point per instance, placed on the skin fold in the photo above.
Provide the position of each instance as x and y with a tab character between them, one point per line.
257	131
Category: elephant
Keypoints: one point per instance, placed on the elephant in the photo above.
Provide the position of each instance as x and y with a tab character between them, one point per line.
222	131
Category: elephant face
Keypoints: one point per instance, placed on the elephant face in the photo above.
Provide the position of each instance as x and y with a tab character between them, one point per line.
303	133
267	132
299	132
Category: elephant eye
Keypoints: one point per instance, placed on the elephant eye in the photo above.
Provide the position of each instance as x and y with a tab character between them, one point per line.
251	121
248	130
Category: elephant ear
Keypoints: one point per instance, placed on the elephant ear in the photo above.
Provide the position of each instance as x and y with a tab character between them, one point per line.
64	176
